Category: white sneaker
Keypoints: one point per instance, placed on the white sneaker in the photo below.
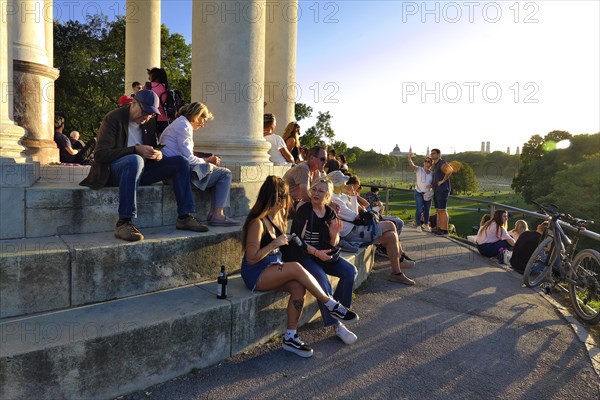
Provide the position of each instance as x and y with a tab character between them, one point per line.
426	228
346	335
419	229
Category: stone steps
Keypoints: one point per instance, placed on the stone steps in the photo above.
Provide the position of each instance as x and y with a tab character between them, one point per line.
43	274
115	347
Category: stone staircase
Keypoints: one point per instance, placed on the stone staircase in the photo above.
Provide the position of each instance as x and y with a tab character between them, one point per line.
85	315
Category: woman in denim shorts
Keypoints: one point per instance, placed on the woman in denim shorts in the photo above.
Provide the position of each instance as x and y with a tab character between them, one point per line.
263	268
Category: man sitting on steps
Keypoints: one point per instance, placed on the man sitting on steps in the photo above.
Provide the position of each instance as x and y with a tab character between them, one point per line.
127	156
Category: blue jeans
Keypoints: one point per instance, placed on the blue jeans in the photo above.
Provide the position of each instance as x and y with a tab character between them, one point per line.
220	178
492	249
343	293
131	171
422	207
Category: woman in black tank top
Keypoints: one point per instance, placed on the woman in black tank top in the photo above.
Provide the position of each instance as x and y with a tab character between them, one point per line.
263	268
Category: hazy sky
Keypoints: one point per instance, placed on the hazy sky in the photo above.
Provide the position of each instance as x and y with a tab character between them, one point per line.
440	74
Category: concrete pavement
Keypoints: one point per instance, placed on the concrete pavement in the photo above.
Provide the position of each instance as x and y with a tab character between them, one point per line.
467	330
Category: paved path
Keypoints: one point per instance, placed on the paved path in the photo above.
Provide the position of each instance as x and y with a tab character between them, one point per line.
467	330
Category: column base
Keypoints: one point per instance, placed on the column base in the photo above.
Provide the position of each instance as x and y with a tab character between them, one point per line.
11	149
239	151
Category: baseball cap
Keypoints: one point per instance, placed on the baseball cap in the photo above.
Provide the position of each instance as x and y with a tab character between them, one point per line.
338	178
125	100
148	100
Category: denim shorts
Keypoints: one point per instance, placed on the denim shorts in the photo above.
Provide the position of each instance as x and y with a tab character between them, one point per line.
251	272
440	199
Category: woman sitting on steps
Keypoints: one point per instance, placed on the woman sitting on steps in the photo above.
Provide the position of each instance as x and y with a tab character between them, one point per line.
263	268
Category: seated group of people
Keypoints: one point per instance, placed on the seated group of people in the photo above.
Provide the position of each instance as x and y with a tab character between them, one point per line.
324	211
493	239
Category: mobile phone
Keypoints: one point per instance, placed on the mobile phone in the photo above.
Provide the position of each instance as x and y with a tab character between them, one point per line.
159	146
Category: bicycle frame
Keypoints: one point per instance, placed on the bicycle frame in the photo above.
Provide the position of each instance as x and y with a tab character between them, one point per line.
565	248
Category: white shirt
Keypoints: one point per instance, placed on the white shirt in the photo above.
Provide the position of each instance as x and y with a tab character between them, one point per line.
489	235
276	144
423	179
134	134
178	139
345	212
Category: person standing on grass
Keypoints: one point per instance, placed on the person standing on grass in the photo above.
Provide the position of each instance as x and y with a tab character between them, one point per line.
423	188
441	190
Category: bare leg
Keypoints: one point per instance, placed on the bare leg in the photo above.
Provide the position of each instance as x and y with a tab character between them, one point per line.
295	303
389	240
442	219
277	275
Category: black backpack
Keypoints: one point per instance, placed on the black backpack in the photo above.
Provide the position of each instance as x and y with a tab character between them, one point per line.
173	101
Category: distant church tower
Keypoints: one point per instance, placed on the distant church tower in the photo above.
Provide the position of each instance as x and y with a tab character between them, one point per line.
518	151
487	147
483	147
508	150
427	151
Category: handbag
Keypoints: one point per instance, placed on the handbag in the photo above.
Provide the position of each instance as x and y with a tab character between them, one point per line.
427	196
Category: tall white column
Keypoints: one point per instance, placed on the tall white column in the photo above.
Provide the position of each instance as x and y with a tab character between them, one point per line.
280	61
11	149
228	49
33	78
142	40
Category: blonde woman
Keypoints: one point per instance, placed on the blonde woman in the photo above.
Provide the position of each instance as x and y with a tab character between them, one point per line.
205	173
263	267
317	224
291	137
520	227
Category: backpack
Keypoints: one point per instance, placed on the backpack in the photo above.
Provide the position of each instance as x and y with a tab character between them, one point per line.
173	102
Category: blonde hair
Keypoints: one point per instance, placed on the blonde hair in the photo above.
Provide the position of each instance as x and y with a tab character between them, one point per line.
330	188
194	110
520	226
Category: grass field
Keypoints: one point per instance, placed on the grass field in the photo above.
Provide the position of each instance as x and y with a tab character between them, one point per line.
464	214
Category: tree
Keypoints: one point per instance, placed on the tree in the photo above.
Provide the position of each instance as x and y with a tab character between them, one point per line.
91	60
464	180
321	134
302	111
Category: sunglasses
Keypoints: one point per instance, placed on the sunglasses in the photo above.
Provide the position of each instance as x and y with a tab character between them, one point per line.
427	161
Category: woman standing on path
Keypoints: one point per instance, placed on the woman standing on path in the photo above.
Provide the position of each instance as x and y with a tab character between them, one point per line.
423	192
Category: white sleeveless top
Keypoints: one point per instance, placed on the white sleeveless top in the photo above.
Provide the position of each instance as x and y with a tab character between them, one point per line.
423	179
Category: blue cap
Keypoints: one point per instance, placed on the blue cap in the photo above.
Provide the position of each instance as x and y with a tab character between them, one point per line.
148	100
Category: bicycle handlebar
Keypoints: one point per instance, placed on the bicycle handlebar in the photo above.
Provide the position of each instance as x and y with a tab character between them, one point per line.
552	211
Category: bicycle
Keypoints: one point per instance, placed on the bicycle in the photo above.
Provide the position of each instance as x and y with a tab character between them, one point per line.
556	253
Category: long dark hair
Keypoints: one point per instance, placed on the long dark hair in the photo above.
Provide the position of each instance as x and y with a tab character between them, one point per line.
158	75
497	218
273	188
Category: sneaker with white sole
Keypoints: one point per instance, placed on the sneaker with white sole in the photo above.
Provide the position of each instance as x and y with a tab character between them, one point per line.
297	346
419	229
343	314
425	228
400	278
345	334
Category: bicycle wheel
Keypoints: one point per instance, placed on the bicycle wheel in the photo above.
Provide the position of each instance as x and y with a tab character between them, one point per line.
540	263
585	294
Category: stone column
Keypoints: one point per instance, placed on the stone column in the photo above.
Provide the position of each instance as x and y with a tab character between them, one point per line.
142	40
11	149
280	61
228	48
33	79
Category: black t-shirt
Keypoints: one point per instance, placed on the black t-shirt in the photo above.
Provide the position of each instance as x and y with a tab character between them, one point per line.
332	165
524	248
63	142
317	229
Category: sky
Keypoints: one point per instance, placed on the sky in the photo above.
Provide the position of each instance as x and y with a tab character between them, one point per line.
435	74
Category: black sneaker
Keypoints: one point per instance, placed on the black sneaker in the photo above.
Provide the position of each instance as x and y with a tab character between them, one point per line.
297	346
441	233
342	314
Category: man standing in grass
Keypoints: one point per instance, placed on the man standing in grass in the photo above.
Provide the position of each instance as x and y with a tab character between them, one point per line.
441	190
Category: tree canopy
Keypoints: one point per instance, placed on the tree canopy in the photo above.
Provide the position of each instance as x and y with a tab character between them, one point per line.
91	60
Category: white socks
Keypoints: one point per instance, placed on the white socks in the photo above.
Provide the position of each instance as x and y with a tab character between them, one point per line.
290	333
330	304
